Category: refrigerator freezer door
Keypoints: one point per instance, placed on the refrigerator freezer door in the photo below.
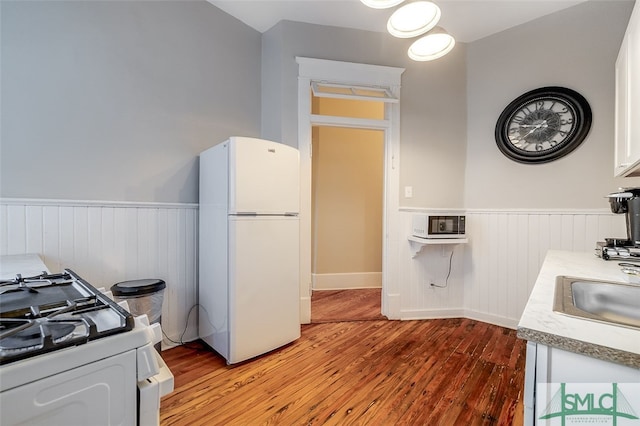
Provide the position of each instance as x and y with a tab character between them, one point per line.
264	177
264	305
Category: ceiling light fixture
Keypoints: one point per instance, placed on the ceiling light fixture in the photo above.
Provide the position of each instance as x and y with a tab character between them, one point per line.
413	19
381	4
434	45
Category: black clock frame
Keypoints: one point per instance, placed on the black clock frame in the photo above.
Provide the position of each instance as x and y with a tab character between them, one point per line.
582	126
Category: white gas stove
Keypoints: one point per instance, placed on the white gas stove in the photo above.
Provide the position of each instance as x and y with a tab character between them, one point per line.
70	355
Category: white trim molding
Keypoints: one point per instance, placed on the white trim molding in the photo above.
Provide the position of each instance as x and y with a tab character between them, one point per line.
462	211
349	73
346	281
422	314
95	203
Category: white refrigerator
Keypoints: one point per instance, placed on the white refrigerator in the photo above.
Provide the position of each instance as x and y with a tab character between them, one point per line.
249	247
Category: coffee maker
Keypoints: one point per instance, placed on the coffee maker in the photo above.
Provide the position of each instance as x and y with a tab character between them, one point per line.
625	201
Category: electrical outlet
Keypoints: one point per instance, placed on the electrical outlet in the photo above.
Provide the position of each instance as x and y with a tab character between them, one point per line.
429	283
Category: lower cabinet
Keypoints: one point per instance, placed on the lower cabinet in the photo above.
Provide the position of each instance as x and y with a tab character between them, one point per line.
563	385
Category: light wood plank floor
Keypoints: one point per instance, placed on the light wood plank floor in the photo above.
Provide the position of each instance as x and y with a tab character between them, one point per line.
346	305
430	372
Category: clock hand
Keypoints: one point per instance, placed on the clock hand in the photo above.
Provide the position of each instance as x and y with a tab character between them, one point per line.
535	127
531	131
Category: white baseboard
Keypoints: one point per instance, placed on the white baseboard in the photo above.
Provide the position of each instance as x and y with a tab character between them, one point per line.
391	309
424	314
305	310
346	281
491	319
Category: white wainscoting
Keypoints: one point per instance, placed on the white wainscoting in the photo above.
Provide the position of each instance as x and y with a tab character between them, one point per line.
492	276
107	242
490	279
418	299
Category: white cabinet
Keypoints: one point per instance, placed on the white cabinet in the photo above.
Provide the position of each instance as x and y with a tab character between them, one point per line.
548	367
627	103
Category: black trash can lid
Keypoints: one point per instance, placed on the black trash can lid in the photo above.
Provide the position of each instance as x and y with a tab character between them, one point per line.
137	287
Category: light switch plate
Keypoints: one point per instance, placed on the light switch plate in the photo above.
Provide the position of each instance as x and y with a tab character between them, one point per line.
408	191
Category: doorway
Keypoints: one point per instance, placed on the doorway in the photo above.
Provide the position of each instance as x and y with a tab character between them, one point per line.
346	220
354	81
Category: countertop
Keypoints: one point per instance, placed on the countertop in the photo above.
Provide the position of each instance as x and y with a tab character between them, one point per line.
25	264
539	323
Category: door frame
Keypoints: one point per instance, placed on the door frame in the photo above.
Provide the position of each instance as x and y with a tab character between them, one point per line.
321	70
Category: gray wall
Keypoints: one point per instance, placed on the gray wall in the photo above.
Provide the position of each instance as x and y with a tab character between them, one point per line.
114	100
126	94
575	48
433	102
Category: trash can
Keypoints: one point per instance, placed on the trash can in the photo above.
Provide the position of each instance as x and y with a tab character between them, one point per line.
143	297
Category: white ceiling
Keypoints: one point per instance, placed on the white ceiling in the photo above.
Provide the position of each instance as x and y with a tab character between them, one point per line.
466	20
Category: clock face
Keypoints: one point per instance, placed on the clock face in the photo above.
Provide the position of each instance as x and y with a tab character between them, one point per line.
543	125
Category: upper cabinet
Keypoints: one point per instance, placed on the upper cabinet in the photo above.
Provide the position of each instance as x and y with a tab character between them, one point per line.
627	108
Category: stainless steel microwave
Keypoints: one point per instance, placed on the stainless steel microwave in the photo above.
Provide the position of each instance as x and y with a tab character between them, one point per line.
430	226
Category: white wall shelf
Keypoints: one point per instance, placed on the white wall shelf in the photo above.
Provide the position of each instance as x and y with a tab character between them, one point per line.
417	243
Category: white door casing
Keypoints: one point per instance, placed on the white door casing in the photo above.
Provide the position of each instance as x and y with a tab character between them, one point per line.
319	70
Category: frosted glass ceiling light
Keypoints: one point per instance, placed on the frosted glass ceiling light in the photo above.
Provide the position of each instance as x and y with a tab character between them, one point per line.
434	45
413	19
381	4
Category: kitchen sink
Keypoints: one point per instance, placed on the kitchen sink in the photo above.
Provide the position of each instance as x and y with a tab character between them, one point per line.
604	301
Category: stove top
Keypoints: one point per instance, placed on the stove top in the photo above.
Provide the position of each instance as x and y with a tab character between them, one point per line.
47	312
623	251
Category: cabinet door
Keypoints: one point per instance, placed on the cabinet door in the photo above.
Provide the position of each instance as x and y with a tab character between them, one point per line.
627	103
580	373
556	365
633	84
622	154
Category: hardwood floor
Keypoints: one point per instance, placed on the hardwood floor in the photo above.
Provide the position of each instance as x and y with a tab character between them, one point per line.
346	305
430	372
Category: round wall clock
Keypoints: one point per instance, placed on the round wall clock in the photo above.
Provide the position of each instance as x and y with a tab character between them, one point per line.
543	125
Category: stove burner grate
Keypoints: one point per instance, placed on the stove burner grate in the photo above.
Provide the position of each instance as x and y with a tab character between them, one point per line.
47	312
34	332
34	336
31	284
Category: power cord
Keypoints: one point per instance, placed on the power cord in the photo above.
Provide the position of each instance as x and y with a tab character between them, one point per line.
181	341
446	281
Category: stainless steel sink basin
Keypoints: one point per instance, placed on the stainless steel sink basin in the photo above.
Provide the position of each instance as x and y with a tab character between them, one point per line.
604	301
